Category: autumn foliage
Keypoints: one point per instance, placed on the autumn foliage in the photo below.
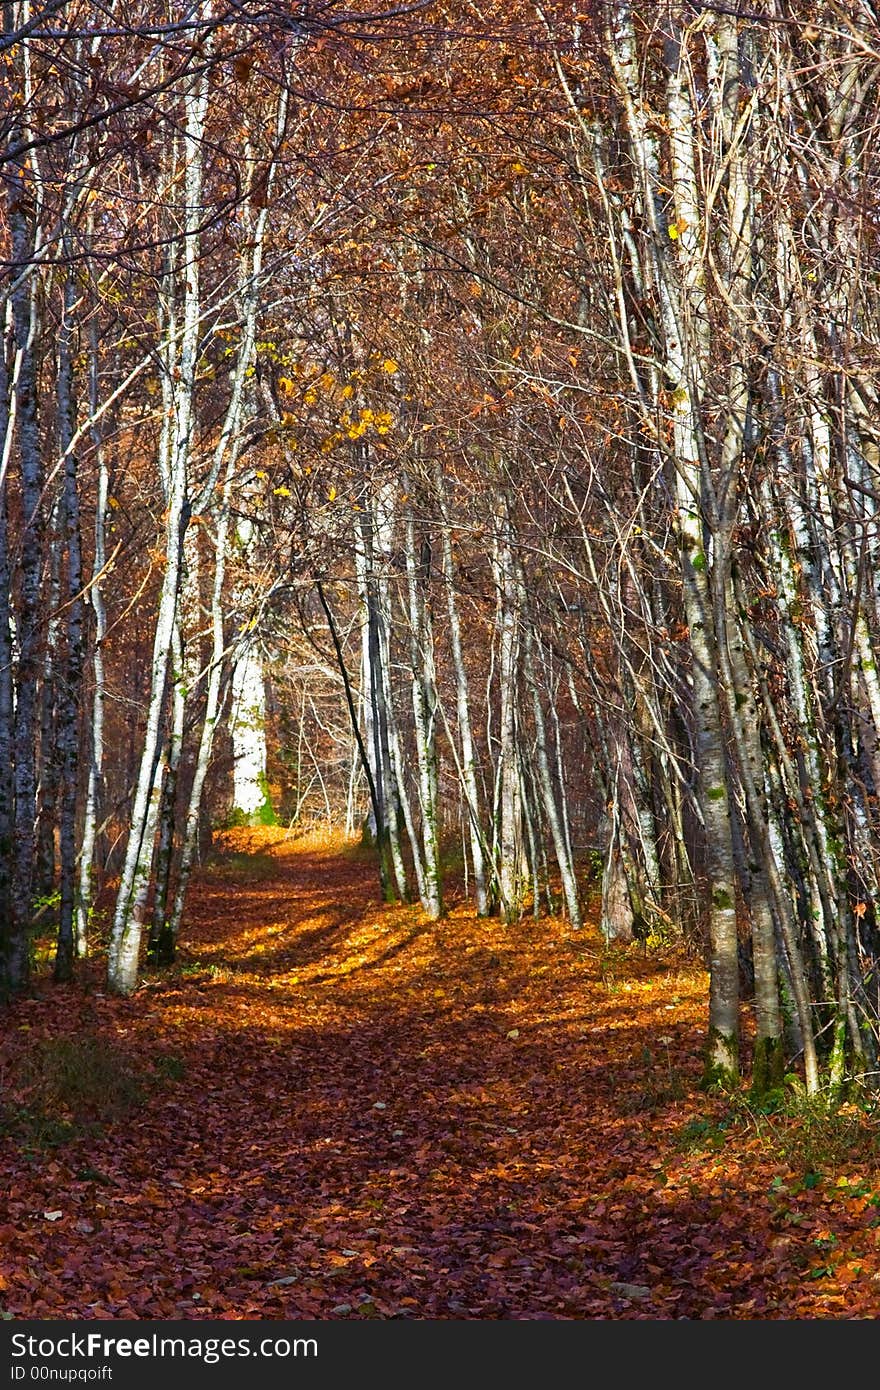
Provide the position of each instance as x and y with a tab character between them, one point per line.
439	642
332	1109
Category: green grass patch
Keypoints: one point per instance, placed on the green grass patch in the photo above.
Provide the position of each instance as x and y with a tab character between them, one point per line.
68	1088
702	1132
242	868
809	1135
812	1136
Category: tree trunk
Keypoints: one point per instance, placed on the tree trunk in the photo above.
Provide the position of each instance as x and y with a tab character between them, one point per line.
131	901
424	702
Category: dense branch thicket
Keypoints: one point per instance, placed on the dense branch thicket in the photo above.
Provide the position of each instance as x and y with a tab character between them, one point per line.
463	430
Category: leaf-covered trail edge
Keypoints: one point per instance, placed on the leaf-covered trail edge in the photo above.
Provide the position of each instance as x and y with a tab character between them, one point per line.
376	1116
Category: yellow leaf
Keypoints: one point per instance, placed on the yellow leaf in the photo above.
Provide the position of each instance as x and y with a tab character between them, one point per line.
331	495
389	366
673	231
282	491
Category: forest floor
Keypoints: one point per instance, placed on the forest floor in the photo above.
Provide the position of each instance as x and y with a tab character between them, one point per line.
330	1108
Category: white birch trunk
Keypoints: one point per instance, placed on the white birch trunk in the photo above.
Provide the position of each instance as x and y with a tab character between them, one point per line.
511	844
681	303
128	920
224	463
468	760
247	730
424	703
85	897
544	776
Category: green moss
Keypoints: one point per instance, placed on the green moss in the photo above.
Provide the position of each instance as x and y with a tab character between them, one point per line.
263	815
721	1068
266	813
717	1077
768	1068
722	900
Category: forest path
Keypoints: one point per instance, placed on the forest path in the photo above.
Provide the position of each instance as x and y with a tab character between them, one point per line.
353	1112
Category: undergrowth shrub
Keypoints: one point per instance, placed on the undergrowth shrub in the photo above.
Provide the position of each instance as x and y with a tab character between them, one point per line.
818	1137
66	1087
813	1135
90	1076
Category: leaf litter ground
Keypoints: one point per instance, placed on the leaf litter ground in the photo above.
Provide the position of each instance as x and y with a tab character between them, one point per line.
331	1108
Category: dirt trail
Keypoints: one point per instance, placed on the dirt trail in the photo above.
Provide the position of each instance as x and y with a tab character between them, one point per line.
361	1114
